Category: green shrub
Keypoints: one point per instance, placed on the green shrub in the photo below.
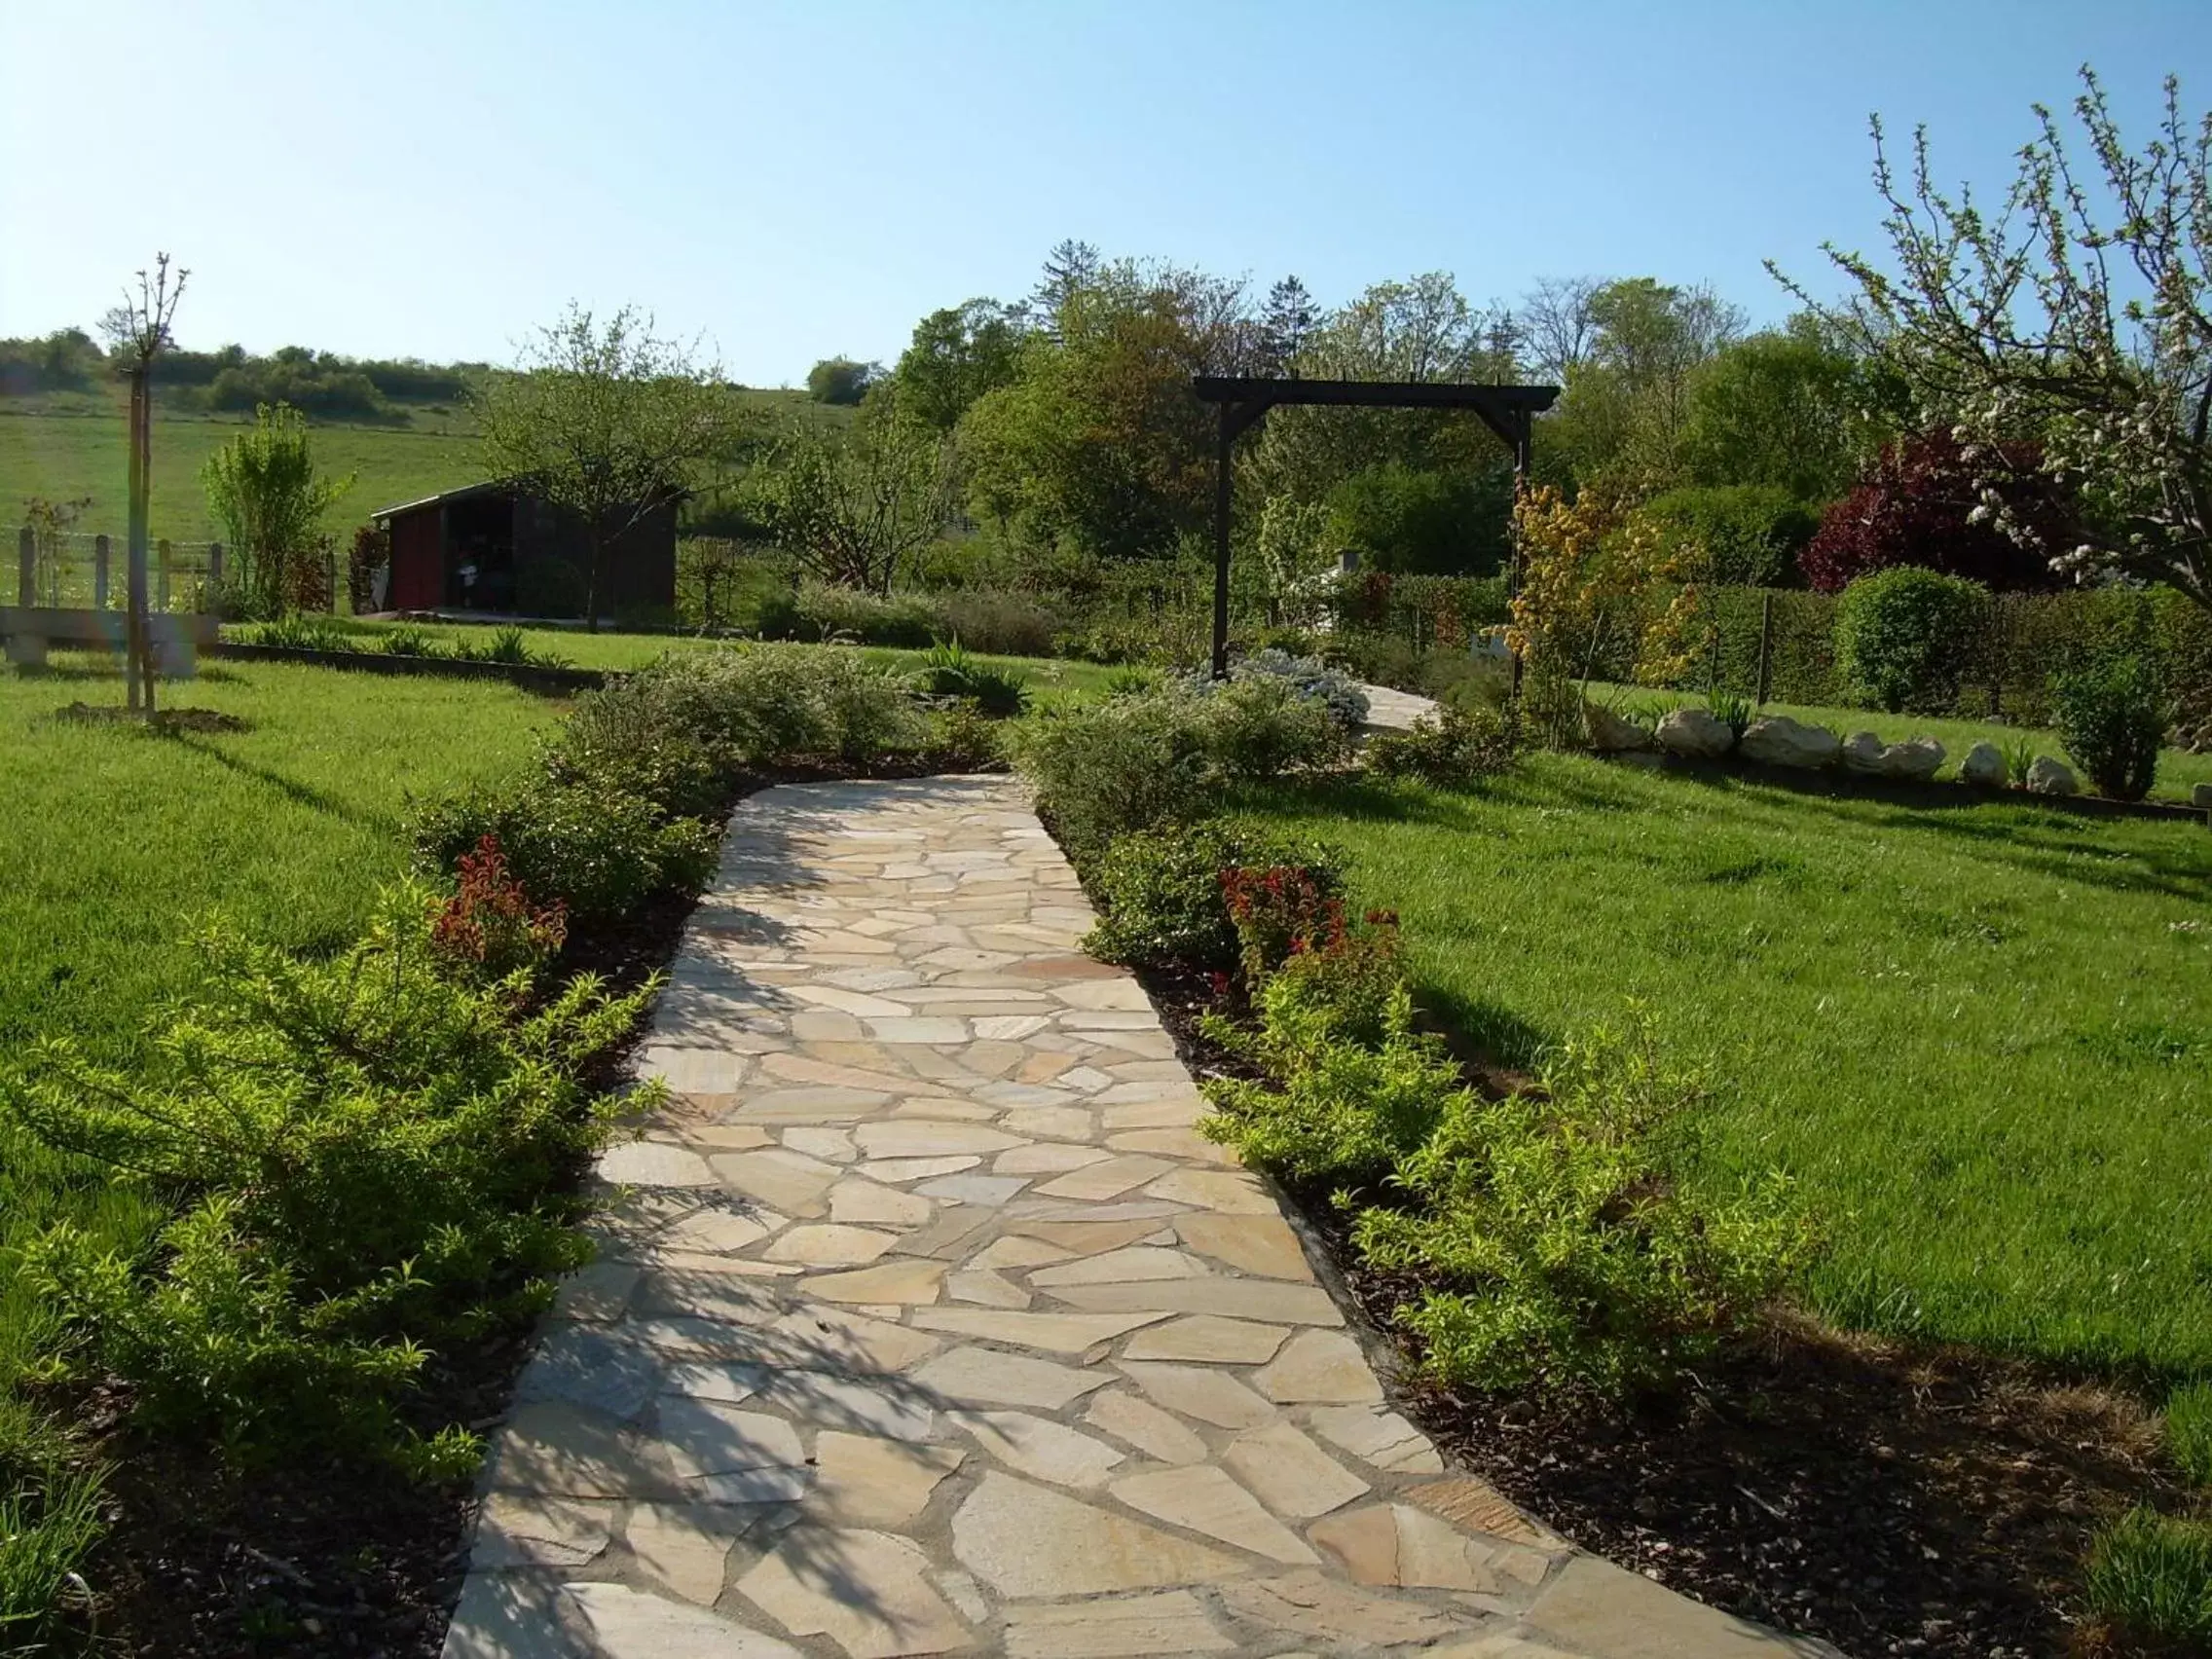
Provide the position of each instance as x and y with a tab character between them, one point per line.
766	705
1308	678
365	1153
1126	764
2112	717
2150	1580
1160	893
1356	1088
627	740
1452	749
1265	725
1746	535
2188	1431
1556	1250
598	851
1904	637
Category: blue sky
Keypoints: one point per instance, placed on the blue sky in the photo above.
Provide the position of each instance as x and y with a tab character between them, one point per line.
433	177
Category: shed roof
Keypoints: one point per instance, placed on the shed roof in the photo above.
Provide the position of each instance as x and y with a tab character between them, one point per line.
464	493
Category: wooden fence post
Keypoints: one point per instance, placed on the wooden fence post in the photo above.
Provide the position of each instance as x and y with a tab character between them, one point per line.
330	560
1766	648
214	575
26	567
99	573
162	569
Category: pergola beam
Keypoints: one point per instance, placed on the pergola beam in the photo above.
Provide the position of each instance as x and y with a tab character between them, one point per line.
1508	411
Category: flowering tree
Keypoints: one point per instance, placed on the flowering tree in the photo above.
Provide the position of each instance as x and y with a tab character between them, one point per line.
1589	568
1922	503
2080	317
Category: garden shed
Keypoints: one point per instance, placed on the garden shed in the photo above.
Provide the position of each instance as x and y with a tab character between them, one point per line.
495	547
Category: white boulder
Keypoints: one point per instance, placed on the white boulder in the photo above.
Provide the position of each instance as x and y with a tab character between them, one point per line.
1776	740
1985	767
1915	759
1863	752
1613	734
1695	733
2049	776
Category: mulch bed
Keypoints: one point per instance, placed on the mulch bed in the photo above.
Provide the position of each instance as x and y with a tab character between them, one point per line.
165	722
203	1561
1893	1498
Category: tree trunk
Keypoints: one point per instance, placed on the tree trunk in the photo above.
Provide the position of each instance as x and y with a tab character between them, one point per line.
591	576
138	667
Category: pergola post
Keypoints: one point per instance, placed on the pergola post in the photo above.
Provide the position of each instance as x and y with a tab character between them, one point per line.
1221	485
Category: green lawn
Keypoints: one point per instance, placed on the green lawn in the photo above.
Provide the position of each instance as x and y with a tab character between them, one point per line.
1980	1036
2178	770
120	842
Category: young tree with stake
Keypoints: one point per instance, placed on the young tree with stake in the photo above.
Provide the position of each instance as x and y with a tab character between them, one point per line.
141	328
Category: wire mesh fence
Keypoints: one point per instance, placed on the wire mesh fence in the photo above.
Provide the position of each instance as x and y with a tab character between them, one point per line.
68	570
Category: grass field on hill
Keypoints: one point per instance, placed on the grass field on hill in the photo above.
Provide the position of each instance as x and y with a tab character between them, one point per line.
1978	1036
69	446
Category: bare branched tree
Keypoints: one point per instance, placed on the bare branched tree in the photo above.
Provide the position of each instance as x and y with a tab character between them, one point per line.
2079	316
1556	325
140	329
609	423
854	507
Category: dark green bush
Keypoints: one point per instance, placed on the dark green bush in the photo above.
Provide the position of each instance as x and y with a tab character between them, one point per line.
1903	637
1740	533
598	850
1132	762
1452	749
764	705
1160	893
1265	725
364	1153
2112	717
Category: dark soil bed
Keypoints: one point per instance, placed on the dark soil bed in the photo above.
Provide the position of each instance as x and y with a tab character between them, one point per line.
1892	1499
205	1562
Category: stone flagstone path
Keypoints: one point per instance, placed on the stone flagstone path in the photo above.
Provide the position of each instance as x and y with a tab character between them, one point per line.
925	1322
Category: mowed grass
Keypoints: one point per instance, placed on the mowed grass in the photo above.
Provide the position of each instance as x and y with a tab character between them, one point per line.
2179	771
1980	1037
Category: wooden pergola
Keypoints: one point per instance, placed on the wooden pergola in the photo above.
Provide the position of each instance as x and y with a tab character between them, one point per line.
1509	411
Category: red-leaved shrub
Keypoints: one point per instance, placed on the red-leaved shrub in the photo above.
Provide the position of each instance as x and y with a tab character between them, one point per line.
490	928
1917	508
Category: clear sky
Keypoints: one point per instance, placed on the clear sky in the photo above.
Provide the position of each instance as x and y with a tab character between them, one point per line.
792	180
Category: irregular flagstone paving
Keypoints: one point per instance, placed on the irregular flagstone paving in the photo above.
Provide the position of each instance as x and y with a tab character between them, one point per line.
923	1321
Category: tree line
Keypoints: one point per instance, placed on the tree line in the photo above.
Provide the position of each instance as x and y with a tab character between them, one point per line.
324	383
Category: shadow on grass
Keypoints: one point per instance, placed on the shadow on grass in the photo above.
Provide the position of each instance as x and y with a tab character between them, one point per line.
291	788
1481	1030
